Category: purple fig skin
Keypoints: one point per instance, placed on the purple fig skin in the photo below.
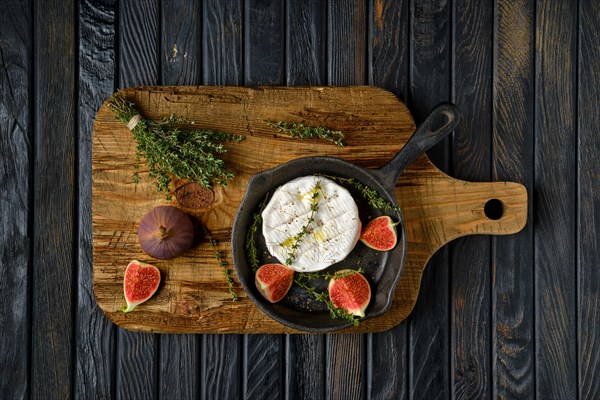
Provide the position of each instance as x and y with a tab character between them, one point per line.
165	232
349	290
380	234
140	282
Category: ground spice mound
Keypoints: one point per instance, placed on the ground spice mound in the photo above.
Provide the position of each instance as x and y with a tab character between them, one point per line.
192	195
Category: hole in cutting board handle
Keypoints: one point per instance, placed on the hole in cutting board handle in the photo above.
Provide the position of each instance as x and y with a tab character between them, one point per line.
494	209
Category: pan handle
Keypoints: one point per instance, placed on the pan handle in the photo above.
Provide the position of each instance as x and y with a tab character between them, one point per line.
439	123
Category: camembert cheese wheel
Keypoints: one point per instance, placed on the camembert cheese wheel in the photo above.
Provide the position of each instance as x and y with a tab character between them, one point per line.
311	223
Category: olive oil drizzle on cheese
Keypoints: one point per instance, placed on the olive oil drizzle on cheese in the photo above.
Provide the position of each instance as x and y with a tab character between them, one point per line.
293	242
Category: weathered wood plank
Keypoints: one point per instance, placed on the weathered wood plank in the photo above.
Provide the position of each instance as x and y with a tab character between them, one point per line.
264	64
430	78
95	339
346	42
589	201
180	59
306	42
346	364
138	353
263	43
15	203
221	367
222	41
470	257
181	49
556	201
387	352
306	65
512	158
54	266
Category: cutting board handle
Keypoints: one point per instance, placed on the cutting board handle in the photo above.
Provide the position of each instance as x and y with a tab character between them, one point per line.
439	123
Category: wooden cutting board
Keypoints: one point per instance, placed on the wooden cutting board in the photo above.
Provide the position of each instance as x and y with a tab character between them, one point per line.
193	297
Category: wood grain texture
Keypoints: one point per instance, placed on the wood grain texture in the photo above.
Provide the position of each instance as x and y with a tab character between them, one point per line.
222	355
264	54
54	201
346	42
181	47
346	367
588	306
513	158
95	334
430	78
222	41
180	62
221	374
138	355
347	61
306	64
470	257
264	64
556	200
306	41
16	43
387	352
437	211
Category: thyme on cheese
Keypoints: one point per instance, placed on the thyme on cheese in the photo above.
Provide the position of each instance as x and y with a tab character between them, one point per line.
294	242
170	150
302	131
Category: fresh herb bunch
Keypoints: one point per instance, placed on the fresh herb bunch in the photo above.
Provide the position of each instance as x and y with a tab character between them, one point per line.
303	280
301	131
373	198
297	239
170	150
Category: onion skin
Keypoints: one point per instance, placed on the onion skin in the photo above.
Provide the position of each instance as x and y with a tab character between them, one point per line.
166	232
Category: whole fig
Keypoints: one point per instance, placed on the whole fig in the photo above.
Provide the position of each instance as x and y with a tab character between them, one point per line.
166	232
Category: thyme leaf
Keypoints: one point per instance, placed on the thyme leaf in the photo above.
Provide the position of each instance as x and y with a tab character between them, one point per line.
250	245
373	198
223	264
301	131
334	312
296	240
170	150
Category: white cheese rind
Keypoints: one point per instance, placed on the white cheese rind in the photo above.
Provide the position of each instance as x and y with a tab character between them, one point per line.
331	236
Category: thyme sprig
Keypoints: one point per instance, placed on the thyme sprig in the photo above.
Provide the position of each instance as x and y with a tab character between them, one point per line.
296	240
373	198
302	131
170	150
250	244
223	264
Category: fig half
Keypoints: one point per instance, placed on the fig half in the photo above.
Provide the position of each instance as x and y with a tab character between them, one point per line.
139	284
380	234
349	290
273	281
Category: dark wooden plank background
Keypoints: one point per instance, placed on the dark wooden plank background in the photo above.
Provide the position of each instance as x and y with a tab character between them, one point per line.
497	317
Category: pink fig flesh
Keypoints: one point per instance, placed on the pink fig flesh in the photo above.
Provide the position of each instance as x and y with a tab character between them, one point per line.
139	284
273	281
349	290
380	234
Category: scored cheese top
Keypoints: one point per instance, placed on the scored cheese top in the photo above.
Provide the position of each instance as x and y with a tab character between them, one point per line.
311	223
